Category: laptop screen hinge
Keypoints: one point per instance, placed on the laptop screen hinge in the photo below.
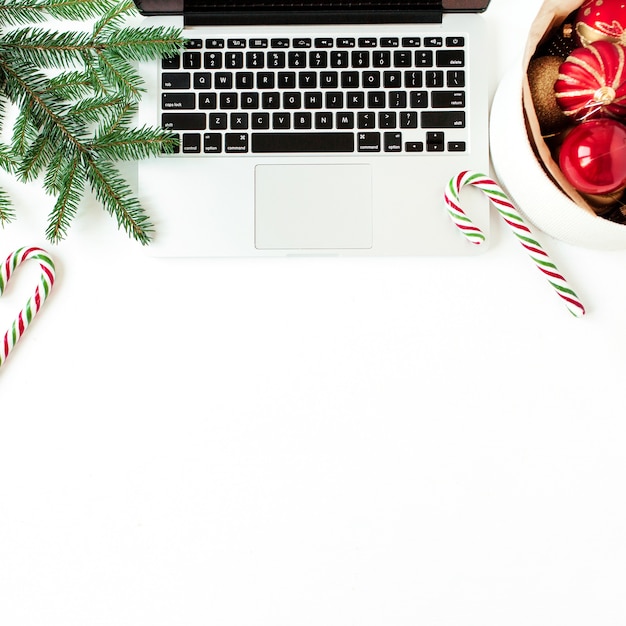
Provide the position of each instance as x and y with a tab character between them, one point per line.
312	17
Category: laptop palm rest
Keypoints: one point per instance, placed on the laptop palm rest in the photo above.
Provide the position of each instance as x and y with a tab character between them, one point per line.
313	207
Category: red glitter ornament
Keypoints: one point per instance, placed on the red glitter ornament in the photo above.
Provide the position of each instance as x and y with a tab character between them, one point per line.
598	20
592	82
593	156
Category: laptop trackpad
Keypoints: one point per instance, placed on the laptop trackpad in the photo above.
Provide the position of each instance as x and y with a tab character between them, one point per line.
313	206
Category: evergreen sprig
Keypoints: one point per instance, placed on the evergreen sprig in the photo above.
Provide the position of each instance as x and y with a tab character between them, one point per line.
76	94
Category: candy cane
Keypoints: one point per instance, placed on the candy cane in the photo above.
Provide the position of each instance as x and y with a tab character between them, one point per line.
34	303
512	217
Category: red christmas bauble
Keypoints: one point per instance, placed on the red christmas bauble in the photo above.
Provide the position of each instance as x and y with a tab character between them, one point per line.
592	82
601	20
593	156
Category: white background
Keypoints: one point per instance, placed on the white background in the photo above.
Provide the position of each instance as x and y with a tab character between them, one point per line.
295	442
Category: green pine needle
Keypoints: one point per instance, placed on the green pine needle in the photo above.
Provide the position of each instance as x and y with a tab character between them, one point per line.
13	12
6	210
76	92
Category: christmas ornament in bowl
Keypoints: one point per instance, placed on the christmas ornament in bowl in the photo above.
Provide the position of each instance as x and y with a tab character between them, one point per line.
601	20
564	111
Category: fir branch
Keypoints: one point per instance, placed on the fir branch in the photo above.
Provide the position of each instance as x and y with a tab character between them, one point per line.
123	119
73	126
24	131
118	200
27	88
36	157
112	19
118	75
71	186
141	44
6	210
98	108
14	12
8	161
53	178
133	144
46	49
70	85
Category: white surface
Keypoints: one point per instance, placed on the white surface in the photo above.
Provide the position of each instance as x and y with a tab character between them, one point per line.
313	441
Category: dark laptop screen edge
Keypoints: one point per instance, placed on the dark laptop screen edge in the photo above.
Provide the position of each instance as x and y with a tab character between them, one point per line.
195	13
314	17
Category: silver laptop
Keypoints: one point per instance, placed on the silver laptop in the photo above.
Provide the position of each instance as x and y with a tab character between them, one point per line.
316	127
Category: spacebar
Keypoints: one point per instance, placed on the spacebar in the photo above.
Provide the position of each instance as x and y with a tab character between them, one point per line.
302	142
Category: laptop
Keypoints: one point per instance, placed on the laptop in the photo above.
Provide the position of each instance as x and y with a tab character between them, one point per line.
315	127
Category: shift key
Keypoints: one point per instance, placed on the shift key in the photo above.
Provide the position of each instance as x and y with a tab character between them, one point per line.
183	121
443	119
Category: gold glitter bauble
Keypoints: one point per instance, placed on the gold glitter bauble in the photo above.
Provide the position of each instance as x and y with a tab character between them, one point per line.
542	74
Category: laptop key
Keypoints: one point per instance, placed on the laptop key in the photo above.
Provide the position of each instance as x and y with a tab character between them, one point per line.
450	58
239	121
402	58
234	60
213	60
424	58
369	142
433	42
393	142
302	142
236	142
448	99
217	121
260	121
171	63
361	58
281	120
212	143
345	120
339	58
191	143
175	80
183	121
455	42
223	80
192	60
456	146
178	101
276	60
434	79
455	78
414	146
443	119
214	43
202	80
255	60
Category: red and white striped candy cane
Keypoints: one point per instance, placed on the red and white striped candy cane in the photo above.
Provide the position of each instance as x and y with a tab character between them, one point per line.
34	303
512	217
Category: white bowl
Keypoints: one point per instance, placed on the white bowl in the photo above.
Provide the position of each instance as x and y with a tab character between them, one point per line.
527	184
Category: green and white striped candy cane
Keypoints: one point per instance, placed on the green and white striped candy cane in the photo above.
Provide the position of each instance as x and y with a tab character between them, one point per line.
512	217
34	303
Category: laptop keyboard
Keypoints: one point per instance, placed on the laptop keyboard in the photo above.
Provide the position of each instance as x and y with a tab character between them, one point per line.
317	95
